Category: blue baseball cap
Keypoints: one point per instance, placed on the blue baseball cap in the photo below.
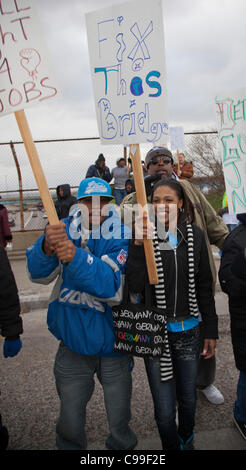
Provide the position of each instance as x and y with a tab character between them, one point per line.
94	187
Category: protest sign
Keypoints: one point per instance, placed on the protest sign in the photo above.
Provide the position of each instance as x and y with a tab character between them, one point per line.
127	57
176	138
231	118
25	79
25	74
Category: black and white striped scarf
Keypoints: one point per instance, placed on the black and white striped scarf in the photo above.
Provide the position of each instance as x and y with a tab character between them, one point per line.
166	367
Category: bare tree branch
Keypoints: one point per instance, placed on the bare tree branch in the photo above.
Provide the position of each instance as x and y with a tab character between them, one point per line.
204	152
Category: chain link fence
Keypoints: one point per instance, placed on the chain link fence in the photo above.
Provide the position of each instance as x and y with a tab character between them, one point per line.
64	162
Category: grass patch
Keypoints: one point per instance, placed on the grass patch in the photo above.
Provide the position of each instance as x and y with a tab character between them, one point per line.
215	200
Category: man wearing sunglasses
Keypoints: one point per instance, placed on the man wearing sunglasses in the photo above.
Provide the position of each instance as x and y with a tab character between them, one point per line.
159	163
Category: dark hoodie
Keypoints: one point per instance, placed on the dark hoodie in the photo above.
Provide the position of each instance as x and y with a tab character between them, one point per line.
5	233
64	202
232	277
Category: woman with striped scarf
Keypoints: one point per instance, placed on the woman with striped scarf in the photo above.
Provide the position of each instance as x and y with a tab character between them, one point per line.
185	293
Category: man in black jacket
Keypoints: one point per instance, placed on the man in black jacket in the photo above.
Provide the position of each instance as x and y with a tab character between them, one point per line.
99	170
232	276
10	321
64	200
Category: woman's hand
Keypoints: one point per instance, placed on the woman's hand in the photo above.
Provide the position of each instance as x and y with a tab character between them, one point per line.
144	229
209	348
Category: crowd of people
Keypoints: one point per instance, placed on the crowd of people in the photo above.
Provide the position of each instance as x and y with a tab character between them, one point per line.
91	271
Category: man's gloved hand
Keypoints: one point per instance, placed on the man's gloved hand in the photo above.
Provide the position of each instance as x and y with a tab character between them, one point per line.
11	347
149	182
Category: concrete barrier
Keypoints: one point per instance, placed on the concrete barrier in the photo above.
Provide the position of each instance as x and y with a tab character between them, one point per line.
21	241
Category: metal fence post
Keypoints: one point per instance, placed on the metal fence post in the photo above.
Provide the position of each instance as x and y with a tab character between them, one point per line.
20	185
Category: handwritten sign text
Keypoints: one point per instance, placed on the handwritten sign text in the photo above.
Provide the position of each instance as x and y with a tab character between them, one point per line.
126	46
25	77
231	114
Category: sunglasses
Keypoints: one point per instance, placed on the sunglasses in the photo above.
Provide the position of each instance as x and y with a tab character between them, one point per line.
164	160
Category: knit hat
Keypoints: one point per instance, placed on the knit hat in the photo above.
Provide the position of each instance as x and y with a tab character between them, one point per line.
94	187
158	151
101	158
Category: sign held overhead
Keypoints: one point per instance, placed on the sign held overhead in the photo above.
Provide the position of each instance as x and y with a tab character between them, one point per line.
231	118
25	74
127	56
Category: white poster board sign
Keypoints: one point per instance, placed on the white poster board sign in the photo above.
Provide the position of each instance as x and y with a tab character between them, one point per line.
25	75
177	138
231	118
127	57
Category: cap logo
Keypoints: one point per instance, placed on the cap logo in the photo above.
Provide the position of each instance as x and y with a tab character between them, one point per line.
94	187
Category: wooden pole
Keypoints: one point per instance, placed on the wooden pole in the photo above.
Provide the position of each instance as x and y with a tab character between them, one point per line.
178	160
36	167
141	199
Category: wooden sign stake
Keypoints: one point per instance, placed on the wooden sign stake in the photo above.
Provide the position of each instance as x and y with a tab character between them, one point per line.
36	167
178	160
141	199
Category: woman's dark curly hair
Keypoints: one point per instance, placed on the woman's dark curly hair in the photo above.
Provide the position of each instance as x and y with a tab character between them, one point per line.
187	212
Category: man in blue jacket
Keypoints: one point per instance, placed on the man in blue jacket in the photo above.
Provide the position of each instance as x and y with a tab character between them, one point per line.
89	271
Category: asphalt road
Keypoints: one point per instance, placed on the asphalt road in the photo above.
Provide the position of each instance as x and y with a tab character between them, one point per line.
29	404
33	220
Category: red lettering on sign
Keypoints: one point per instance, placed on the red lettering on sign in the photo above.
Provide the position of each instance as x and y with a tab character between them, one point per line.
22	26
32	89
12	94
48	87
7	69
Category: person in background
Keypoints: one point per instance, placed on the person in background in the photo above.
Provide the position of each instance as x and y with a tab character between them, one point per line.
11	326
159	162
185	169
120	174
99	170
5	232
182	294
232	277
64	200
90	274
129	186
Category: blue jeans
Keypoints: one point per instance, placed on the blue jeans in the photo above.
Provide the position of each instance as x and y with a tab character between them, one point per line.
231	227
184	348
119	194
240	403
74	375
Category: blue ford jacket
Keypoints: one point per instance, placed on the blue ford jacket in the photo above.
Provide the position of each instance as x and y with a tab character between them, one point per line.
79	310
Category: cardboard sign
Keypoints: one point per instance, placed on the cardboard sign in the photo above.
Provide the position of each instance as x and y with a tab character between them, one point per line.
126	48
177	138
231	118
25	76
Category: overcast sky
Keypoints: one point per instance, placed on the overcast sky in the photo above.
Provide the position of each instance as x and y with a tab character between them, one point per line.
205	54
